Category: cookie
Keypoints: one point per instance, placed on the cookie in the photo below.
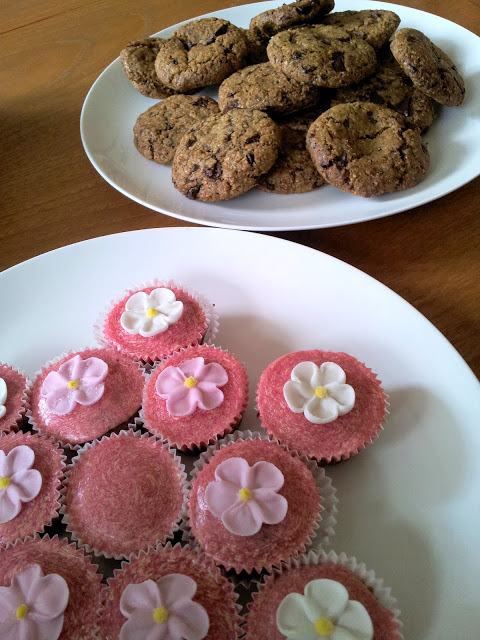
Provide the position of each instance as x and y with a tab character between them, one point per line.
138	60
200	53
367	149
223	156
268	23
429	68
263	87
373	26
257	48
293	171
158	130
390	87
322	56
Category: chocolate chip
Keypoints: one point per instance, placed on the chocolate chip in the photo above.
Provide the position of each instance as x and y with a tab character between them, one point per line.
296	55
221	30
338	61
190	142
346	123
412	68
201	102
375	16
371	117
340	161
250	158
233	104
304	11
404	107
254	138
214	172
192	193
308	68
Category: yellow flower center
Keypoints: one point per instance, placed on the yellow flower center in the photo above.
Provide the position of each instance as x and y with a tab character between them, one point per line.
244	494
190	382
160	615
324	627
21	612
4	482
151	312
73	384
321	392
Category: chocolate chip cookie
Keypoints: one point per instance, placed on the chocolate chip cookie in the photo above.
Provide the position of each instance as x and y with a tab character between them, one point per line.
200	53
429	68
373	26
158	131
367	149
390	87
263	87
138	60
293	171
270	22
223	156
322	56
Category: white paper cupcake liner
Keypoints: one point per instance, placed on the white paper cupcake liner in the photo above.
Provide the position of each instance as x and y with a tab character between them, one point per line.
324	526
63	509
208	308
17	420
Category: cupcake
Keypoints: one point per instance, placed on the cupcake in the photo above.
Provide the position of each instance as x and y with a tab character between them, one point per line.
253	503
155	320
170	586
81	396
31	469
50	588
13	386
123	493
325	596
325	405
194	397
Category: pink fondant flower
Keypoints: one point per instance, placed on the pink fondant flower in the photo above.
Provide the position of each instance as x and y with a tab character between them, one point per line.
32	607
77	381
163	610
192	384
18	481
245	497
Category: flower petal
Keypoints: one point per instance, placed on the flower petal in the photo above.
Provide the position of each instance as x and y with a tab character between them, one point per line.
21	582
321	410
296	395
9	630
61	401
188	620
142	625
265	475
208	396
292	619
331	372
181	401
143	596
132	321
10	506
94	371
154	326
48	629
9	603
306	373
27	484
54	381
176	587
273	506
48	597
243	519
159	296
214	373
20	458
356	619
343	394
193	367
168	380
89	395
325	599
172	312
3	391
220	496
137	302
233	470
339	633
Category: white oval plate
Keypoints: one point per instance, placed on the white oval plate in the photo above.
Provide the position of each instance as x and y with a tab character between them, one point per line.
409	503
113	105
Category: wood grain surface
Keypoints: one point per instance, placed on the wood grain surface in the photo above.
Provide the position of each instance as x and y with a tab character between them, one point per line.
51	51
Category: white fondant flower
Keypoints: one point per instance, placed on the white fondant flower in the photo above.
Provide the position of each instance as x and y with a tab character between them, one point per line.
3	397
319	392
324	611
18	481
149	314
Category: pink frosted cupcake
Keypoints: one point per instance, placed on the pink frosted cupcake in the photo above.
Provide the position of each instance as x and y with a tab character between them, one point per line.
325	596
172	587
31	469
123	493
83	395
157	319
50	588
194	397
325	405
253	503
13	386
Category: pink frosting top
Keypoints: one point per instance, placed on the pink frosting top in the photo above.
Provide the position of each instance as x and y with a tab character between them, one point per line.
18	481
245	497
15	384
163	610
191	385
32	607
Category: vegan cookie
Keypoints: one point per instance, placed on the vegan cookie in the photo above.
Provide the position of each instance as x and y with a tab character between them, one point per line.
293	171
366	149
268	23
321	55
429	68
138	60
267	89
373	26
158	130
200	53
223	156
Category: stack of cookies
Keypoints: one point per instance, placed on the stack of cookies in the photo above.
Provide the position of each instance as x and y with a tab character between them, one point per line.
306	97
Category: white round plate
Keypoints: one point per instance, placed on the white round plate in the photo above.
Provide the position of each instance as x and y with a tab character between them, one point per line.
409	503
113	105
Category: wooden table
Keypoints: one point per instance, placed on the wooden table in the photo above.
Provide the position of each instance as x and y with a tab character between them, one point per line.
51	51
